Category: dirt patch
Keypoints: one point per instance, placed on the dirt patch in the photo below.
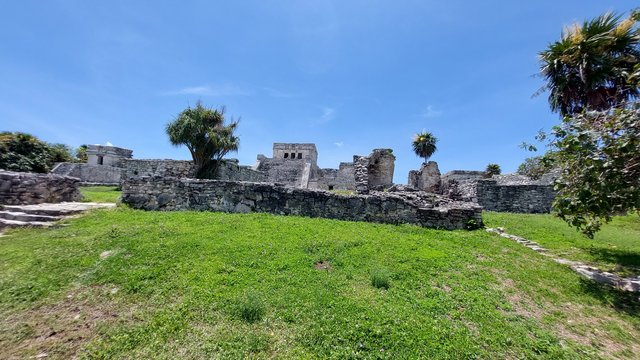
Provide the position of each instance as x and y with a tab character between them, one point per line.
323	265
59	330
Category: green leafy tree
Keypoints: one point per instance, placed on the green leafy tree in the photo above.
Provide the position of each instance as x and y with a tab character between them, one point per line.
535	167
204	132
81	154
424	145
492	169
589	67
599	153
593	74
60	153
24	152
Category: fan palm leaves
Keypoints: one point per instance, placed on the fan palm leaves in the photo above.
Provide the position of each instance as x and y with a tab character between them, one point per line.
590	66
424	145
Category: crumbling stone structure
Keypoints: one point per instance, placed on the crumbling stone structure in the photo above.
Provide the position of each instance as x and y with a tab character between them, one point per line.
334	179
166	193
380	169
104	165
515	197
427	178
297	165
19	188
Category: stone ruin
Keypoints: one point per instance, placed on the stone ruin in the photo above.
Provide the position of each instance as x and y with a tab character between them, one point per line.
506	193
291	183
21	188
292	164
104	165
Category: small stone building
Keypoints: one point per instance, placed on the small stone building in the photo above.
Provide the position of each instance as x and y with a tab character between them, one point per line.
107	155
104	165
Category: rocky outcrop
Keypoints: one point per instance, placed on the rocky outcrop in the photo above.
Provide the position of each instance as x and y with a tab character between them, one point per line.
18	188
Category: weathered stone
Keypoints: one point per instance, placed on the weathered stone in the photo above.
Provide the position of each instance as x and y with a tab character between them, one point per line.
32	188
395	208
381	167
521	198
427	178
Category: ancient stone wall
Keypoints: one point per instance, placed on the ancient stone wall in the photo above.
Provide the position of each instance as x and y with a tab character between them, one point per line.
229	169
285	171
95	174
155	167
162	193
516	198
18	188
463	182
342	178
427	178
381	167
361	174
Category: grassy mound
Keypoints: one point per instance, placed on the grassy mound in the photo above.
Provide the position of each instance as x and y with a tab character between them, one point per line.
131	284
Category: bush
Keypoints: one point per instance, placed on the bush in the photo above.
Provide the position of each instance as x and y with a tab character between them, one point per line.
251	308
380	278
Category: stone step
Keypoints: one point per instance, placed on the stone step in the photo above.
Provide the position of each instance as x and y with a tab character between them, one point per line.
57	209
28	209
21	216
4	223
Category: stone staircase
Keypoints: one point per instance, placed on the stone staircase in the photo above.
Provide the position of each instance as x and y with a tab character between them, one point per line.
43	215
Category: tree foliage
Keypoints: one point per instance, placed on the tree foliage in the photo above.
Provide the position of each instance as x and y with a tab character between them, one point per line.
589	67
81	154
593	74
424	145
537	166
26	153
492	169
599	154
204	132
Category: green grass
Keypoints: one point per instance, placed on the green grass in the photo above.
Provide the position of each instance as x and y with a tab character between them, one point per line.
615	248
100	194
188	285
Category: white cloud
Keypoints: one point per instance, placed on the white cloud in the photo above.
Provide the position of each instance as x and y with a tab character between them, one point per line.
209	90
327	114
339	144
430	112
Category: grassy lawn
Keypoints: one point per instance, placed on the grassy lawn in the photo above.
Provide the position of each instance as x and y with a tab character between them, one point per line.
130	284
615	248
100	194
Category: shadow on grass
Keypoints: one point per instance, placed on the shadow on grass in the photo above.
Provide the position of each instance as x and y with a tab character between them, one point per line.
628	260
622	301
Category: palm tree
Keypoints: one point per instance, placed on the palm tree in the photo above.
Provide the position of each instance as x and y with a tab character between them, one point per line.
424	145
589	67
205	134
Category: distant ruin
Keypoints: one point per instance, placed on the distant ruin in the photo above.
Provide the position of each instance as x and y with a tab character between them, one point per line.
103	166
292	164
291	183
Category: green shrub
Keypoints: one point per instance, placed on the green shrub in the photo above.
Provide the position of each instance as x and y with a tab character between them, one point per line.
380	278
251	308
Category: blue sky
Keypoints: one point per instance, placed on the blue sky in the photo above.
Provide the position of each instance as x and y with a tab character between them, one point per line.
347	75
